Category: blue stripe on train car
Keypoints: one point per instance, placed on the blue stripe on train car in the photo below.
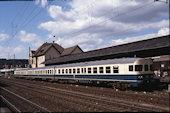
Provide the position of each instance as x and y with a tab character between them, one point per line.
119	77
111	77
116	77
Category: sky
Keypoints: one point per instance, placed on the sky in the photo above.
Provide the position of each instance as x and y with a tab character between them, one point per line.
91	24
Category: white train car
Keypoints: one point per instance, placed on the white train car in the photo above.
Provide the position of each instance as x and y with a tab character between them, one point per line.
130	71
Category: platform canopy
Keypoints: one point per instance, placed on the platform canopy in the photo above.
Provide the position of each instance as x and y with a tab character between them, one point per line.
146	48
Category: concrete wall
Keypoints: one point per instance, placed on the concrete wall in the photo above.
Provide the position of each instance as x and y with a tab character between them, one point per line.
51	53
40	60
33	65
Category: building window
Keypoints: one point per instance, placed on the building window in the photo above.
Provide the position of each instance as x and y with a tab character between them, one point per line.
146	67
108	69
131	68
151	67
101	69
95	70
115	69
138	67
89	70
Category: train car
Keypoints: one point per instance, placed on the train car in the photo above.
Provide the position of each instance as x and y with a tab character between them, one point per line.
125	72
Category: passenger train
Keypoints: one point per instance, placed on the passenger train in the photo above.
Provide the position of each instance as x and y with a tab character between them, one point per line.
125	72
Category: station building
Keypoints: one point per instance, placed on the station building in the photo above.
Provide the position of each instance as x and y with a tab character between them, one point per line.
49	51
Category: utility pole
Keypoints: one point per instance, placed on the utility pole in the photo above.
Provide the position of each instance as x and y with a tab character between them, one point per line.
29	60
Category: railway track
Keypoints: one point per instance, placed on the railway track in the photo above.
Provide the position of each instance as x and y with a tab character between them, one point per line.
20	104
138	97
86	101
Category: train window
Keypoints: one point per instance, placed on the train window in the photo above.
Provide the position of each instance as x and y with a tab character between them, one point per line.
62	71
78	70
66	70
138	67
95	70
59	71
89	70
130	67
146	67
84	70
74	70
70	71
151	67
108	69
101	69
48	71
115	69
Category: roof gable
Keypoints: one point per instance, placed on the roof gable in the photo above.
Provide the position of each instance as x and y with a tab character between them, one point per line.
70	50
45	47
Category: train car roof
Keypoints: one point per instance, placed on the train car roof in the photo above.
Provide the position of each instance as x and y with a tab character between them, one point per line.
90	63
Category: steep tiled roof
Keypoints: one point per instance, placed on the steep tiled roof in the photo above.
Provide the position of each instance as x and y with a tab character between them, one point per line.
153	43
69	50
43	49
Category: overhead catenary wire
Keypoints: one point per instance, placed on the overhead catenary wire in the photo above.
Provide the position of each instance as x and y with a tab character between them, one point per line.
19	28
23	12
91	26
16	31
27	22
120	14
13	19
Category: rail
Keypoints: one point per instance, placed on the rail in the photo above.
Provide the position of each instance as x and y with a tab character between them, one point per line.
10	105
26	100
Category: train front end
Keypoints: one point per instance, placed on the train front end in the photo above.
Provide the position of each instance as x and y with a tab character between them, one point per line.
144	71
